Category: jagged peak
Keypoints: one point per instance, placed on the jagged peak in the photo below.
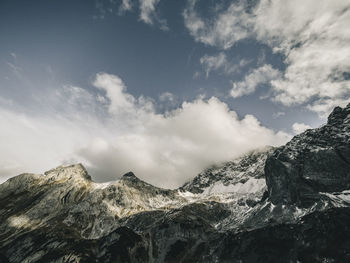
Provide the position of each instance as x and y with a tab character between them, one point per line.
313	162
22	181
132	178
338	115
129	175
69	172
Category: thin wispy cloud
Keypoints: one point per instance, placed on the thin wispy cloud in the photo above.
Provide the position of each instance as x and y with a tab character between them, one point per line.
227	27
148	10
149	14
16	70
221	64
262	75
125	6
278	114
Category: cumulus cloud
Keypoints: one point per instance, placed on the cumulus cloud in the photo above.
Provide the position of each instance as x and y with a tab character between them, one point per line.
313	36
114	132
300	127
220	63
262	75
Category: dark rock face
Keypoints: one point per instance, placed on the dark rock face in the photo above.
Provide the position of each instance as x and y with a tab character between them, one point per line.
315	161
317	237
183	236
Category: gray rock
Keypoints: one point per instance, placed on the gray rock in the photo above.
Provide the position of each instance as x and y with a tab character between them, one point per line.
313	162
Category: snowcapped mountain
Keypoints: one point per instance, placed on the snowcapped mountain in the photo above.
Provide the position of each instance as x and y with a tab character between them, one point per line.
286	204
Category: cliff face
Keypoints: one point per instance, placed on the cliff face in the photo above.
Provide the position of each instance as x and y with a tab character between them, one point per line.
225	214
316	161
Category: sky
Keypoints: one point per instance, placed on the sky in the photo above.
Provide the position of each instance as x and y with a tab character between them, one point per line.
164	88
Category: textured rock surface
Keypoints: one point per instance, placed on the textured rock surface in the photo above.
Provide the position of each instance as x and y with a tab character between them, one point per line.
315	161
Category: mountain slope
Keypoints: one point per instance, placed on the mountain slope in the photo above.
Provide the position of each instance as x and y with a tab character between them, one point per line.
68	194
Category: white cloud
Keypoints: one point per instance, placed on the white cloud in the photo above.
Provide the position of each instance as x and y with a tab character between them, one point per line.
167	97
115	89
220	63
313	36
278	114
148	13
126	5
300	127
315	41
262	75
120	133
213	62
147	8
228	27
326	105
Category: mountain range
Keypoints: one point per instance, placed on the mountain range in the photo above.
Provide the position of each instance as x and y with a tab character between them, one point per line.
285	204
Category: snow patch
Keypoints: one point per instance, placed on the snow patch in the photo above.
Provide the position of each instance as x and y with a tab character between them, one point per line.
251	186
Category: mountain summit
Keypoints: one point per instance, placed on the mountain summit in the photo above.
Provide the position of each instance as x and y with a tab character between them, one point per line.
316	161
285	204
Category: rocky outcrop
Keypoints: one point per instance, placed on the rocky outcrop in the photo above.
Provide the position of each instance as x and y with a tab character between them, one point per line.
316	161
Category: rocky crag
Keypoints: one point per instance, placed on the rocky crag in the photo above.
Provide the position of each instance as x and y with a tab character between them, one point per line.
316	161
286	204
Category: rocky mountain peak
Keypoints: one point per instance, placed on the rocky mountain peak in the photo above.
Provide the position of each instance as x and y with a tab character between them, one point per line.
75	171
131	180
129	176
339	115
316	161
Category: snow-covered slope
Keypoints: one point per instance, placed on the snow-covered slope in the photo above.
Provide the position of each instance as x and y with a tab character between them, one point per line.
243	175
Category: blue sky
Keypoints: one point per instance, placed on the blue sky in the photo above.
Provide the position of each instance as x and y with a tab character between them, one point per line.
286	65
